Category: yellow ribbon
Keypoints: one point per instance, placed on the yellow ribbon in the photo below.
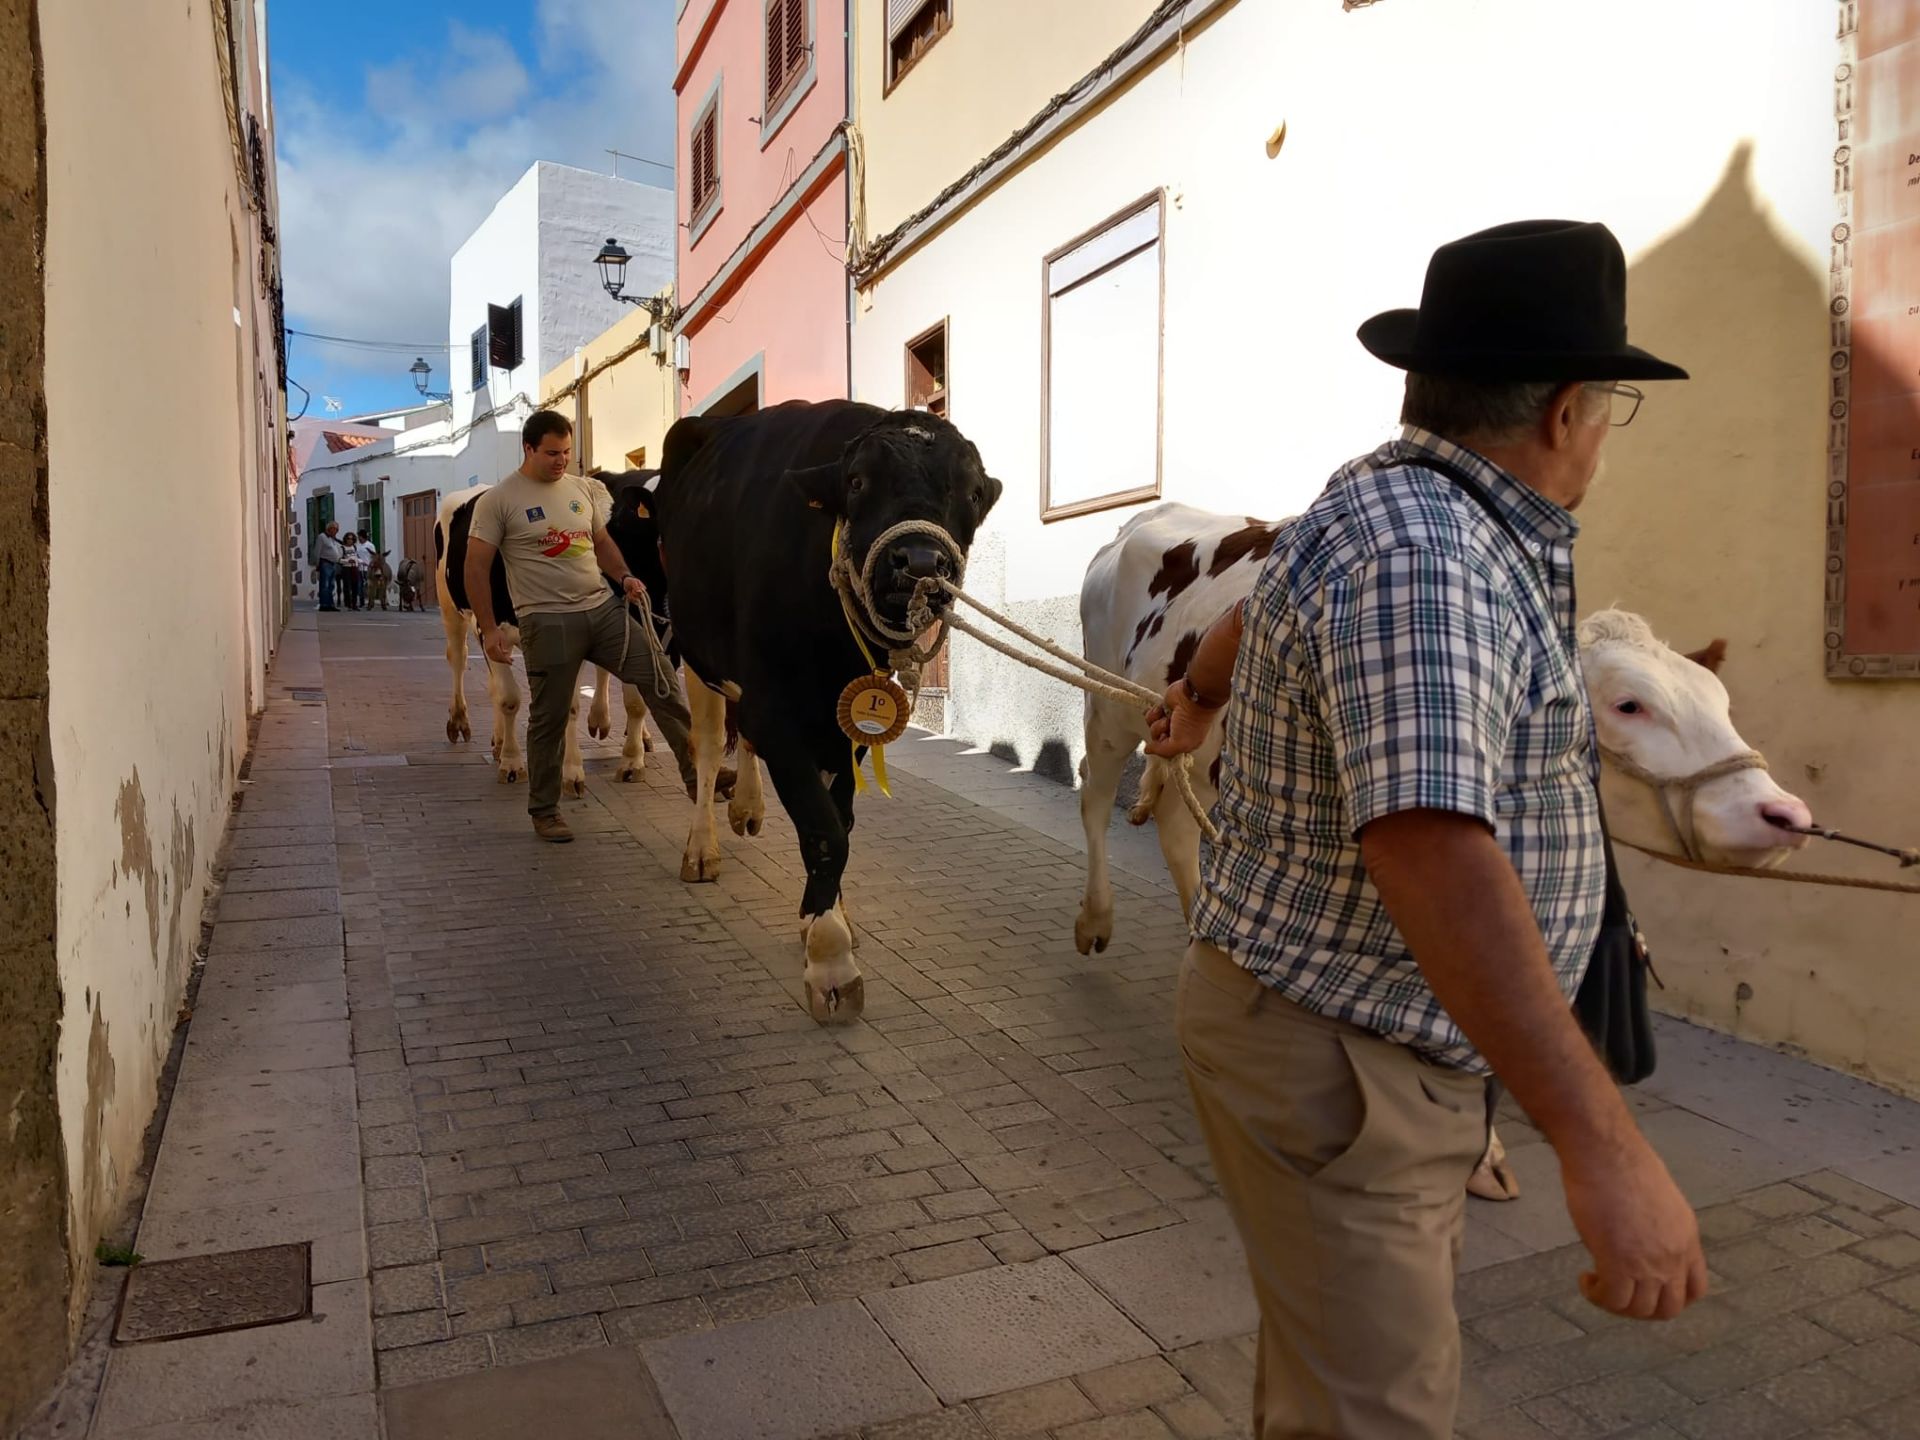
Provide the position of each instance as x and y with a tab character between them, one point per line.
879	752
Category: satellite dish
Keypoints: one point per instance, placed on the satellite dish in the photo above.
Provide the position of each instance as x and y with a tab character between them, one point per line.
334	406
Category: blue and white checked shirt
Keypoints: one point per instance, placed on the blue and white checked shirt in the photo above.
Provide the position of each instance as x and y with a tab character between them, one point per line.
1399	653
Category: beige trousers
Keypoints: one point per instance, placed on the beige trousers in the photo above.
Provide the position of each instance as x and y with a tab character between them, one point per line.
1344	1159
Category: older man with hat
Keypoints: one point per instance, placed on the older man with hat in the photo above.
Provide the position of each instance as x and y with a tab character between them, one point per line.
1409	880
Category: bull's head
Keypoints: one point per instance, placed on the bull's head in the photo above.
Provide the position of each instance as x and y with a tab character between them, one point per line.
1667	716
909	466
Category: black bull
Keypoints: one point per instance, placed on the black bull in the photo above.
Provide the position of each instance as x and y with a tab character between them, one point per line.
746	508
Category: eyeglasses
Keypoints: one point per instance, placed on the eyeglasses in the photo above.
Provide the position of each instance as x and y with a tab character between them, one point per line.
1624	402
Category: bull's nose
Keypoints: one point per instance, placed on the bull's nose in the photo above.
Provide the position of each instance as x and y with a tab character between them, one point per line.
917	562
1787	814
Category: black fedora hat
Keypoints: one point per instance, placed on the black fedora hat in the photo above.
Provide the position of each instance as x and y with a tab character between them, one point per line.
1534	300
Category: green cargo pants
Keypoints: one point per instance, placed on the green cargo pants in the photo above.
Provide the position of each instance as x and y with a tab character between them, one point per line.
555	646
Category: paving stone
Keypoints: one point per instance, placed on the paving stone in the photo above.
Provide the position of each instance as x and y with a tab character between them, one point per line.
1213	1300
1141	1425
1000	1329
326	1354
650	1322
410	1287
1132	1385
544	1341
1193	1417
1035	1408
940	1425
957	1257
785	1377
603	1394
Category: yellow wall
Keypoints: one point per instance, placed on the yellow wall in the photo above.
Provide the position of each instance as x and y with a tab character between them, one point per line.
625	407
991	73
1712	518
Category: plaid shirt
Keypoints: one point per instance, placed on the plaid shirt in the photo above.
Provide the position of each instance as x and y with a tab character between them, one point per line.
1400	653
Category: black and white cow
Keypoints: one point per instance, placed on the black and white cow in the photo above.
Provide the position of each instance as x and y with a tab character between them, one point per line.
632	529
1156	587
747	508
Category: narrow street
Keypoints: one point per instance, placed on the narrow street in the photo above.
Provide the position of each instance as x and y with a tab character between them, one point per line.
615	1182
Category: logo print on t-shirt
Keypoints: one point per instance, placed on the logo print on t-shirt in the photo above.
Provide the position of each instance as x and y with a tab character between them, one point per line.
574	506
538	512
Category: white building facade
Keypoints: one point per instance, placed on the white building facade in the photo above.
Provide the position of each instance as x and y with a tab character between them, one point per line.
526	294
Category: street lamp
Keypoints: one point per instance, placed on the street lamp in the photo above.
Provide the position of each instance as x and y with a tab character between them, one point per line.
612	261
420	370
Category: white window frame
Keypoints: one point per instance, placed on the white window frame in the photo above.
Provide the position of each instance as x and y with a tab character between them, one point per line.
1083	267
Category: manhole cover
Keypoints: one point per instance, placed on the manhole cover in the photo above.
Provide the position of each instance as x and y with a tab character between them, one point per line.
308	696
171	1299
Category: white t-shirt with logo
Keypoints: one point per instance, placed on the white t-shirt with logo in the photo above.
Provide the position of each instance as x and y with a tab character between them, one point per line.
544	530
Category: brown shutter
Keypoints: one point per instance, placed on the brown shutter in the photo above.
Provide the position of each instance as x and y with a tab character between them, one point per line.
796	36
776	48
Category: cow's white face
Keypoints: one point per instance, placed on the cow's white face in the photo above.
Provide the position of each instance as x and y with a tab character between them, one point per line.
1670	716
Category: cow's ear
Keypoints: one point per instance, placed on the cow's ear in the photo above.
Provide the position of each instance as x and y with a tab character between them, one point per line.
1713	657
825	486
989	495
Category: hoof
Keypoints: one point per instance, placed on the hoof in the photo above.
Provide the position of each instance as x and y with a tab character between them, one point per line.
629	773
576	786
1091	936
598	731
1493	1178
458	730
839	1005
745	821
700	869
512	774
1139	814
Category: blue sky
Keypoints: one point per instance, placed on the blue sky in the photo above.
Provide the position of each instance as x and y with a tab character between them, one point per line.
402	121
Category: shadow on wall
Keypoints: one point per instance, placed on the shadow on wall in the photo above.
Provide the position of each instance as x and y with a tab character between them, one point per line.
1710	519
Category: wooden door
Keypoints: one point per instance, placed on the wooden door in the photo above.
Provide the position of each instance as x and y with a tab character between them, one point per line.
416	536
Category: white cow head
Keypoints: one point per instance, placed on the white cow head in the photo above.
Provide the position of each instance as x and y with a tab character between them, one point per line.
1676	775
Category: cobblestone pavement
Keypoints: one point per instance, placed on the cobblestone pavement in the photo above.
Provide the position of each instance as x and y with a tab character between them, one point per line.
616	1181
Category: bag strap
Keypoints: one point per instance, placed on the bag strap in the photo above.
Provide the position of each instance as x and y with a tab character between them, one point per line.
1616	891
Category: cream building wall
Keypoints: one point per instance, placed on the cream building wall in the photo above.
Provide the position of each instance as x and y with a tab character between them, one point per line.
1702	132
157	598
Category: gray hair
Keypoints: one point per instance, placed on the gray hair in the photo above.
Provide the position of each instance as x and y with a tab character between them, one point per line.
1462	409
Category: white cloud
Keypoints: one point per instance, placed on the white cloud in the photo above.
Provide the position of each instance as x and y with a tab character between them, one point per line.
383	178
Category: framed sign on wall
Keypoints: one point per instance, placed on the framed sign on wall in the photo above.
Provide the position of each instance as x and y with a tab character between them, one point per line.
1872	628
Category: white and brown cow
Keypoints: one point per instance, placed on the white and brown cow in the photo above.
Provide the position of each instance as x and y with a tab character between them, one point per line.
1153	591
503	686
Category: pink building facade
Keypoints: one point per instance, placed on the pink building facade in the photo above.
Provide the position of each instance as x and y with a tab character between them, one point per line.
761	97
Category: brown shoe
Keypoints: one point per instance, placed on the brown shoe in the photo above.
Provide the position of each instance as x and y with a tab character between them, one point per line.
552	829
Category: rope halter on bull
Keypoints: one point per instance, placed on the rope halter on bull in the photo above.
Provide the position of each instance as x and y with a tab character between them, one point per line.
908	660
1685	833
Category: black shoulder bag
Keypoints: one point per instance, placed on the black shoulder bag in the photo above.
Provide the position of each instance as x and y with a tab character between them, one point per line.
1611	1003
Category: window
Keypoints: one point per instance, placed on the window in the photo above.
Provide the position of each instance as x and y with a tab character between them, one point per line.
912	28
703	164
1101	358
787	50
927	371
505	347
478	354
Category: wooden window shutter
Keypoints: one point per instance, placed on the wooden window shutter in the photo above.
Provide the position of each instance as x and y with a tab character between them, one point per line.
478	356
503	336
776	48
796	36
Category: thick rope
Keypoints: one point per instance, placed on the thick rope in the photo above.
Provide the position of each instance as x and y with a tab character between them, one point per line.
1797	877
856	594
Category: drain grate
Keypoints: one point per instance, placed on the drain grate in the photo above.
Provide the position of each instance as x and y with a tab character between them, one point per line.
202	1294
307	696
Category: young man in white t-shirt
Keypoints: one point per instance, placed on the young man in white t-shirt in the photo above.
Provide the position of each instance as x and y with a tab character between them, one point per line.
550	527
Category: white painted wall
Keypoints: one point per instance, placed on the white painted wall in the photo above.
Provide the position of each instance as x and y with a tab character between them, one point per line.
538	245
579	209
419	459
163	539
1272	264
